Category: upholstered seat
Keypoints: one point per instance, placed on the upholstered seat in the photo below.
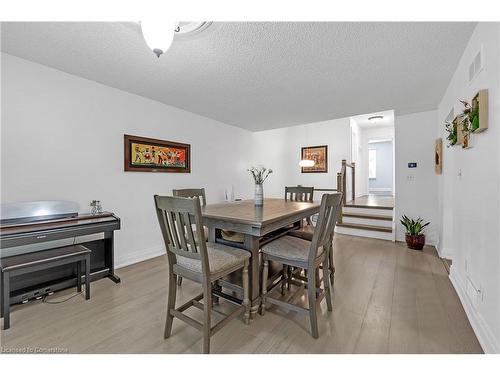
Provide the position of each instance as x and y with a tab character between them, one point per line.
306	232
232	236
220	259
289	247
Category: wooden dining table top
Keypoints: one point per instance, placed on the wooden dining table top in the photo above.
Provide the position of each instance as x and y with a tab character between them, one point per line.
245	211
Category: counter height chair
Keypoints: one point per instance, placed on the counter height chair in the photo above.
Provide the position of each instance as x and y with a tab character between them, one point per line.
191	193
199	261
300	194
308	255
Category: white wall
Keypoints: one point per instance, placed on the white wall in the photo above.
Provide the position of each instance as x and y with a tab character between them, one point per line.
280	149
469	192
416	188
366	135
356	157
62	138
383	180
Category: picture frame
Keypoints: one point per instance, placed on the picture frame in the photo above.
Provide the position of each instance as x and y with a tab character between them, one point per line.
320	156
143	154
438	158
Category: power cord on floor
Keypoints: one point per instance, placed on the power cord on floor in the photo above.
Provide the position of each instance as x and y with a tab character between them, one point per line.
44	299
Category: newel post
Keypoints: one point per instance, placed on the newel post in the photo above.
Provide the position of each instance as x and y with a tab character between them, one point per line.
353	180
339	190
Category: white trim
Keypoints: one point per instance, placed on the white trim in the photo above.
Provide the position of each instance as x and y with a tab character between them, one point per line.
380	189
141	256
483	332
379	140
444	252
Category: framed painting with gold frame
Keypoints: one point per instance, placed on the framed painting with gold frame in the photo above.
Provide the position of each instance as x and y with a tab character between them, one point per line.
155	155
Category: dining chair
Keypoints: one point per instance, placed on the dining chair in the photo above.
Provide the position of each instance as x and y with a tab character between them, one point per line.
199	261
308	255
191	193
300	194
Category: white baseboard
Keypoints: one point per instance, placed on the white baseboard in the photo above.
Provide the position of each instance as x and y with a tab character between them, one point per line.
141	256
444	252
483	332
378	190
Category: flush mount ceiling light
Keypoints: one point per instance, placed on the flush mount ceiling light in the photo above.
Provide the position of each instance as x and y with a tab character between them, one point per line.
159	34
375	119
306	163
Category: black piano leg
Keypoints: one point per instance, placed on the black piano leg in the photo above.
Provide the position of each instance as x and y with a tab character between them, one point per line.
109	256
114	278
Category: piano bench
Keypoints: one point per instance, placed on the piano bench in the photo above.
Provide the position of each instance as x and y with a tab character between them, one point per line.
41	260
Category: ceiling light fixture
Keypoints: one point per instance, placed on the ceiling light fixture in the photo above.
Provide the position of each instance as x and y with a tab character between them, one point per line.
159	35
375	119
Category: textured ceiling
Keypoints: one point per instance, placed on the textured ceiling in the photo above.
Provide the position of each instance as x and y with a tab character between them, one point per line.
260	75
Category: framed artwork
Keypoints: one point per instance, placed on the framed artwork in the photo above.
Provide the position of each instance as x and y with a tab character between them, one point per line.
155	155
438	159
320	156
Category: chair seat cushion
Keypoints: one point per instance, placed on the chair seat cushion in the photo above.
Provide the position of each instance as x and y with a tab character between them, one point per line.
220	258
233	236
288	247
306	232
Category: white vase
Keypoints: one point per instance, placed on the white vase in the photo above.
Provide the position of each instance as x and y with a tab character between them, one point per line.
259	194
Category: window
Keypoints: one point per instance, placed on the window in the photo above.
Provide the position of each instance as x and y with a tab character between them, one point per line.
372	163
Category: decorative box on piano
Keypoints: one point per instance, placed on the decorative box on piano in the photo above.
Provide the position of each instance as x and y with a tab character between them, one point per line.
37	226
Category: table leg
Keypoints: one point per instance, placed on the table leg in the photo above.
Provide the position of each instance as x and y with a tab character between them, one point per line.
251	244
6	299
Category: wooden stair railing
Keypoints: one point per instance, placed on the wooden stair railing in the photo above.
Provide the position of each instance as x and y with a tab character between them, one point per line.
342	184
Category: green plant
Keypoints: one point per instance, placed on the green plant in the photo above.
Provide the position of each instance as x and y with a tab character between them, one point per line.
413	227
471	112
451	128
260	174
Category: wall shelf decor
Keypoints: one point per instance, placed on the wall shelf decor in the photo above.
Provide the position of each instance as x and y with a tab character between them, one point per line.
460	134
438	156
155	155
479	113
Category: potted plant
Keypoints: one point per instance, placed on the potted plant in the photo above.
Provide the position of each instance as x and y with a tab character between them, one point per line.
415	239
260	175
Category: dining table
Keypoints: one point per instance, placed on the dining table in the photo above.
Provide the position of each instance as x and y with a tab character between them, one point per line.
259	224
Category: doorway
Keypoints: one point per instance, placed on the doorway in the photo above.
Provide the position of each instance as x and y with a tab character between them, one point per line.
372	150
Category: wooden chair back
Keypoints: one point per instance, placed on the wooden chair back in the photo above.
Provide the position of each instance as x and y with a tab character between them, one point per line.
325	226
299	193
177	216
191	193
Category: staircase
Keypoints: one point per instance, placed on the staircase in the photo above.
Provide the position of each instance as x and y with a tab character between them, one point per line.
367	216
367	221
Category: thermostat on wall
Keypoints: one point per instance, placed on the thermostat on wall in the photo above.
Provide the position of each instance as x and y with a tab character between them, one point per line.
412	165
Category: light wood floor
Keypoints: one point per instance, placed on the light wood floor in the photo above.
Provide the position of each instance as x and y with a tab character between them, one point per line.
388	299
373	200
